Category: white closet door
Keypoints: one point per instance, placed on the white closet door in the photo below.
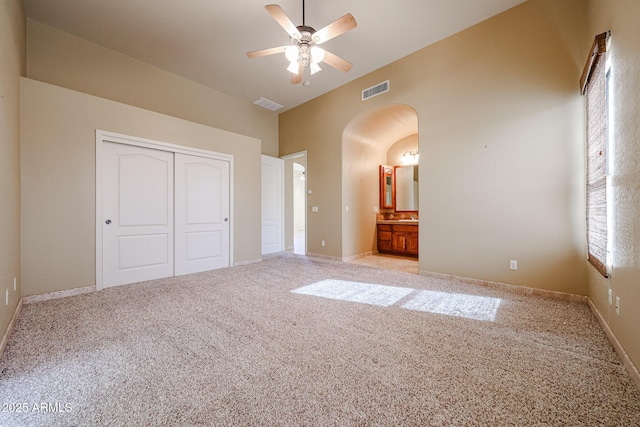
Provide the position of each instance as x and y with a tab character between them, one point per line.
272	205
202	214
137	211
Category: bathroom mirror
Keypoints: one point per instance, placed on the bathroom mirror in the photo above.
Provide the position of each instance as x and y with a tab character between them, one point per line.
406	188
386	187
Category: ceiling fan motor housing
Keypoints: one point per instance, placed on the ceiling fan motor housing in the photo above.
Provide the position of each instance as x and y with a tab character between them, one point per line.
306	29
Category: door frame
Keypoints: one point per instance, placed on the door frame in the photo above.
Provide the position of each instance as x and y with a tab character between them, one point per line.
106	136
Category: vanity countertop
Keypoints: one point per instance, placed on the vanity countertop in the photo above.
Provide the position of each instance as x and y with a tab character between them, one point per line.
398	221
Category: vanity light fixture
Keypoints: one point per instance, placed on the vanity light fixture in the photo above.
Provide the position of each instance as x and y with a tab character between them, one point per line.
410	157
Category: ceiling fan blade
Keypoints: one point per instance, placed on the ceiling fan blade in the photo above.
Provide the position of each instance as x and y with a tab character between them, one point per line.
337	62
297	78
265	52
337	27
282	19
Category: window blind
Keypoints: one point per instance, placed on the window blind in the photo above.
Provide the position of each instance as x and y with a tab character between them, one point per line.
596	92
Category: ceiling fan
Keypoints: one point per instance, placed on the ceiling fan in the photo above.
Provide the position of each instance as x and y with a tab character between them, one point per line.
303	50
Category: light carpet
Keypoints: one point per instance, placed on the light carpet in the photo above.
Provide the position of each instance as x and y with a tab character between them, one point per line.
301	341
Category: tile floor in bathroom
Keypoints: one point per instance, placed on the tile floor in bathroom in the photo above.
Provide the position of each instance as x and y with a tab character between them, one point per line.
389	262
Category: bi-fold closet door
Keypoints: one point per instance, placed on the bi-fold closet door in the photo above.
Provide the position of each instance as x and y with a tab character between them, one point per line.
164	213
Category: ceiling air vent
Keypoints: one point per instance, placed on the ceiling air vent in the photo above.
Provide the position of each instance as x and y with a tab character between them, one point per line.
269	105
375	90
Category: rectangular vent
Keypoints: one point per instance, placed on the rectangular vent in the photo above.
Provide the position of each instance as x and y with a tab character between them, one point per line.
375	90
269	105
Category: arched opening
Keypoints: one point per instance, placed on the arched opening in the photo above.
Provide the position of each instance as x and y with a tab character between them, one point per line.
373	138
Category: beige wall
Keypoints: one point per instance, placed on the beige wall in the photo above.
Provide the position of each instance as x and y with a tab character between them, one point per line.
58	179
621	17
324	171
12	66
360	192
502	150
65	60
501	147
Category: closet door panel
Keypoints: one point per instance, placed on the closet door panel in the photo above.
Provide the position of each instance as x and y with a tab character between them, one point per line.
137	210
202	214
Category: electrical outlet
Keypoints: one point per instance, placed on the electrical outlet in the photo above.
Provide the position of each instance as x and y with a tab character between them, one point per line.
610	297
617	305
323	243
7	298
375	209
346	208
314	209
513	264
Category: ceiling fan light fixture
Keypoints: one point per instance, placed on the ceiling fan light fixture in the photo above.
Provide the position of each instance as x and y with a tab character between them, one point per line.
293	67
317	54
291	52
304	57
314	68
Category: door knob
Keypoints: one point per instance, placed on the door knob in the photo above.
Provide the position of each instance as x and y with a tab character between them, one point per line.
108	222
226	219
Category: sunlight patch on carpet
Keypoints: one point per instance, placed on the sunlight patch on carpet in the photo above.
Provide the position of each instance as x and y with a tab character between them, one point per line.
366	293
450	304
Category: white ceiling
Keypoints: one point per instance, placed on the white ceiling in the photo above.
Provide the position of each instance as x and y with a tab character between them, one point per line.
206	40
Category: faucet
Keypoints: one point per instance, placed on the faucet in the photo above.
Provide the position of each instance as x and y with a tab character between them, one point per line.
413	217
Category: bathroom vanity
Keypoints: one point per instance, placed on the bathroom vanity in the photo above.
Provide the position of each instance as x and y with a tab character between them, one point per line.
397	224
398	237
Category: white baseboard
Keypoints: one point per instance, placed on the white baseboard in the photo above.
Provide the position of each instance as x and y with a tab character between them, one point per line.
332	258
59	294
247	262
12	324
357	256
523	290
626	361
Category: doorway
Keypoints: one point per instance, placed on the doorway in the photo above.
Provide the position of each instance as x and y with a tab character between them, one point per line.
296	202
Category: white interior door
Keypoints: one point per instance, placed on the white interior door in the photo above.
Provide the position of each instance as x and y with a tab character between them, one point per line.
272	205
202	214
137	212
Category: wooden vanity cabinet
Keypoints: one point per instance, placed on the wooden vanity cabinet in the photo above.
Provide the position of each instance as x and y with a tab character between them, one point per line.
398	239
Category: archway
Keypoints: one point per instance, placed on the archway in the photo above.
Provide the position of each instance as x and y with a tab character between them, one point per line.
366	141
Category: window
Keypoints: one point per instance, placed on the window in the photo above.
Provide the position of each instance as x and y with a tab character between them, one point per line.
594	84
